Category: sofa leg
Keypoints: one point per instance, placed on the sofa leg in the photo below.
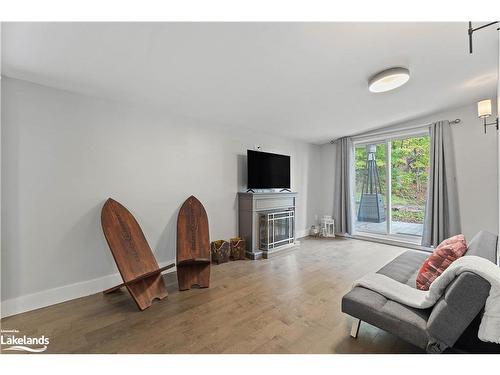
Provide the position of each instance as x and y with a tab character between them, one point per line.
355	327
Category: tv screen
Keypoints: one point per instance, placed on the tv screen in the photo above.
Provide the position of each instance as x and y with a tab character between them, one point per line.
268	171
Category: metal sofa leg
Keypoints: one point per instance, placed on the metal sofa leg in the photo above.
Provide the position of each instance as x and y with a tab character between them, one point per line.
355	327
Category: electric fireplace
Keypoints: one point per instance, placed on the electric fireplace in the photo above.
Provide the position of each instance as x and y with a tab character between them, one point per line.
276	228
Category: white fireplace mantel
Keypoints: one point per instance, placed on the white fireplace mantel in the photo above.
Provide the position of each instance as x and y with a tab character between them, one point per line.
250	206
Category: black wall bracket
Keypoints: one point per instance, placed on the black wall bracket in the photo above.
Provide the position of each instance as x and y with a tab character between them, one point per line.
490	124
471	30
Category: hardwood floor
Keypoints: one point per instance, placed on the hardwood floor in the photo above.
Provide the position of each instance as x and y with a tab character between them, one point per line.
286	304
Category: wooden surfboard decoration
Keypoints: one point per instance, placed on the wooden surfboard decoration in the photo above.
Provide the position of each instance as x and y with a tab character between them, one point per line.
137	265
193	245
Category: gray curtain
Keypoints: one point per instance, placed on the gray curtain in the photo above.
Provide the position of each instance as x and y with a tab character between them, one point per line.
442	216
342	201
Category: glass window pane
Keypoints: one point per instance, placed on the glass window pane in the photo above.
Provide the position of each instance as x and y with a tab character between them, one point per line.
409	176
370	189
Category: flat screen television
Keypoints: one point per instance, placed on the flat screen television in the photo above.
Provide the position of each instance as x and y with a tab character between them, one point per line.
268	171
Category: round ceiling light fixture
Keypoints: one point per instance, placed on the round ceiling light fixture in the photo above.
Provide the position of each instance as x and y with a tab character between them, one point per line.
389	79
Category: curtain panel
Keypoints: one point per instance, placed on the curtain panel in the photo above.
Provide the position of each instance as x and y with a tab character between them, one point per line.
343	202
442	215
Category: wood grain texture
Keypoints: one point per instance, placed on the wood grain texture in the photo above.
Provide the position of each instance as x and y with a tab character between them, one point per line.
193	245
132	255
146	275
286	304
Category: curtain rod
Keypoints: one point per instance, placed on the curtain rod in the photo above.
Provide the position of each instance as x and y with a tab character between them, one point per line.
375	133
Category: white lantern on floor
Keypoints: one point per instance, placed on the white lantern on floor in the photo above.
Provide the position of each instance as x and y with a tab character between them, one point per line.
327	226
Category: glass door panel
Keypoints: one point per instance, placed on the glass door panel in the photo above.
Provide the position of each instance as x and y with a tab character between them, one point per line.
409	176
370	188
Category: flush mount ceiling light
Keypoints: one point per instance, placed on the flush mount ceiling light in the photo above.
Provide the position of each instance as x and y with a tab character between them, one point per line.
388	79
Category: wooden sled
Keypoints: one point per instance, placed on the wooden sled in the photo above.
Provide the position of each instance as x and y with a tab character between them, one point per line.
137	265
193	245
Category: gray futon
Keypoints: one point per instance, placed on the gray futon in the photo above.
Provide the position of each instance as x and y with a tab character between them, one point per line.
453	320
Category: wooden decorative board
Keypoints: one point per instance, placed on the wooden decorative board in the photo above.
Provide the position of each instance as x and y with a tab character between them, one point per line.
193	245
133	256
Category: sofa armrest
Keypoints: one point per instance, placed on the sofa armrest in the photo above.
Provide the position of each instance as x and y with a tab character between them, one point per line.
463	300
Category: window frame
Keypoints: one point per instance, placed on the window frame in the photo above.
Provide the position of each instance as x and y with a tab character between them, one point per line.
385	138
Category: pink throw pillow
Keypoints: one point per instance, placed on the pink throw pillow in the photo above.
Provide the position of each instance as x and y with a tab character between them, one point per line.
446	253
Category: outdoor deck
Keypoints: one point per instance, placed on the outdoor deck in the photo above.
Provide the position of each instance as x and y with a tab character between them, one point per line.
398	227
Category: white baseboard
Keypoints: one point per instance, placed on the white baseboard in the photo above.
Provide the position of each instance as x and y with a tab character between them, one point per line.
302	233
49	297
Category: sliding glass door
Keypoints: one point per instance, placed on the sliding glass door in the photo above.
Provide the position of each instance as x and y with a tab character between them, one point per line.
391	178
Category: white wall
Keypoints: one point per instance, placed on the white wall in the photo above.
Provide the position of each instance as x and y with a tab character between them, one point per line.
328	162
63	154
477	169
498	151
1	25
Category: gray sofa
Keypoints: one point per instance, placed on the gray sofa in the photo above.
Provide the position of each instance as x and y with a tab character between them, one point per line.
452	320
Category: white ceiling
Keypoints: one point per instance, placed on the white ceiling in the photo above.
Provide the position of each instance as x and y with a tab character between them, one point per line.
302	80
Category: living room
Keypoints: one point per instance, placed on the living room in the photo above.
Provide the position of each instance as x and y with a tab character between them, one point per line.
250	187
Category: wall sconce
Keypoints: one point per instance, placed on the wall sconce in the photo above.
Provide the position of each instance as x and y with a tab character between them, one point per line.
484	111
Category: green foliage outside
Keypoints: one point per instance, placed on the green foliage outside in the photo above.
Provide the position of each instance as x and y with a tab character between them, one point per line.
410	171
